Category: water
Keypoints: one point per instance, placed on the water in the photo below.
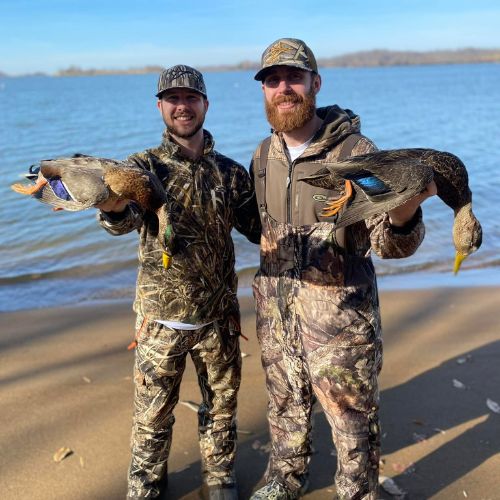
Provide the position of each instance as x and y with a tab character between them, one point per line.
51	259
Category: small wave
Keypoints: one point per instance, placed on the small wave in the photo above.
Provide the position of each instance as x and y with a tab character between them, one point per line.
71	272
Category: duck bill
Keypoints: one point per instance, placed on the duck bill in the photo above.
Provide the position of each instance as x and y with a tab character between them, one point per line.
459	258
166	260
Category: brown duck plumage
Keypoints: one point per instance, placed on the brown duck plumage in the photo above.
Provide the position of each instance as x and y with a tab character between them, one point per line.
82	182
384	180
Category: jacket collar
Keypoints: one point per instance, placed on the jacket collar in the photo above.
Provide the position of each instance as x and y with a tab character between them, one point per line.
337	124
171	147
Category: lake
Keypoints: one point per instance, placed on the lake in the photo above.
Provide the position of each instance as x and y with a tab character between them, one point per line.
52	259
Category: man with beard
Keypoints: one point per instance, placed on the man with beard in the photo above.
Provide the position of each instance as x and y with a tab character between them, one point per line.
188	305
318	318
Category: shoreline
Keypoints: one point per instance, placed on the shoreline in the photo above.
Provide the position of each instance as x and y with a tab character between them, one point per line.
378	58
418	280
66	381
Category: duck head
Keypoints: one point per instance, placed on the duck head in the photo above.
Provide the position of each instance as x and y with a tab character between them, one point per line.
467	235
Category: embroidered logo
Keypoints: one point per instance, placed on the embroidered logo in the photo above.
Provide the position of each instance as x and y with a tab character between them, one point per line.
319	197
275	52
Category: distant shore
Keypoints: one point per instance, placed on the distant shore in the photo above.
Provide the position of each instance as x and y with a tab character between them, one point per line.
369	58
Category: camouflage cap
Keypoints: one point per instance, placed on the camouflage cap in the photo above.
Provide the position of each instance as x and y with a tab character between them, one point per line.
287	52
181	76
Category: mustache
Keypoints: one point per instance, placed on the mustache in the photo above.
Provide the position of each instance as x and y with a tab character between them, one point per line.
293	98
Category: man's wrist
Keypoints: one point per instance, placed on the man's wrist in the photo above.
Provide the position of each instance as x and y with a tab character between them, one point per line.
408	226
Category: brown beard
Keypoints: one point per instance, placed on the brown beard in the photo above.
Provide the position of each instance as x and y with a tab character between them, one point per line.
286	121
187	134
183	132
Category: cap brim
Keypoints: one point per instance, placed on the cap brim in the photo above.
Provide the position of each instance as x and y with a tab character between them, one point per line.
261	74
183	87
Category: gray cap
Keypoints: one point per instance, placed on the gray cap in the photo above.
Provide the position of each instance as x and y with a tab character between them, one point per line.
181	76
287	52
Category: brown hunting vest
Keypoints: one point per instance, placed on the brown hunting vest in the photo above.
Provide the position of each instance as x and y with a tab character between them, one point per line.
300	203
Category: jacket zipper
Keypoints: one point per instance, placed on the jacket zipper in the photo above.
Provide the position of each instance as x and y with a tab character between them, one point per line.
289	193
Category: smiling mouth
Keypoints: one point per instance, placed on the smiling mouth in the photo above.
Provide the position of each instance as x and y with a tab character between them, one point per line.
286	102
183	118
287	105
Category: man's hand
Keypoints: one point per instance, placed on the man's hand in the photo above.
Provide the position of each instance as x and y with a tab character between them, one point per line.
113	205
403	214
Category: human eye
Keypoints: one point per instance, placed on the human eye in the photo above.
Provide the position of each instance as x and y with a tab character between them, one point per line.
272	81
170	98
296	76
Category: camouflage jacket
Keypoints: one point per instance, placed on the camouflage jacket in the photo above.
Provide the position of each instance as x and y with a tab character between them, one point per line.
295	235
206	199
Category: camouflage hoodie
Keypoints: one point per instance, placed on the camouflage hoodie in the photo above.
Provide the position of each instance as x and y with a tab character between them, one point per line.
206	199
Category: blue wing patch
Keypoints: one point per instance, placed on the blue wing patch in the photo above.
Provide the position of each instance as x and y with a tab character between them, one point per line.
59	189
370	184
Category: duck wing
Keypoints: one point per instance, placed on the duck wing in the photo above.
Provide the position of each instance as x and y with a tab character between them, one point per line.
381	181
74	183
92	180
82	182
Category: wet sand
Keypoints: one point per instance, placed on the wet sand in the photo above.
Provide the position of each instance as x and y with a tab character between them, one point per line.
65	381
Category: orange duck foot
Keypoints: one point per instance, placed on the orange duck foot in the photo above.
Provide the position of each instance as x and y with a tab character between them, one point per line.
334	207
22	189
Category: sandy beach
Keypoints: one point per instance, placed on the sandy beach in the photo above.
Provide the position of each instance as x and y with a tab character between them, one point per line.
65	381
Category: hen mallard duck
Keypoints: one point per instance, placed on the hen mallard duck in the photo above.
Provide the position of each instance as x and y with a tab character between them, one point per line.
82	182
377	182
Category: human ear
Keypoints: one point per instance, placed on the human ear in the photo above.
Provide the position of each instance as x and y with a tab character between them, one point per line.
316	83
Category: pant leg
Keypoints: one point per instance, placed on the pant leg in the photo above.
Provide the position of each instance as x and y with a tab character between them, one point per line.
288	387
159	366
344	355
349	397
217	359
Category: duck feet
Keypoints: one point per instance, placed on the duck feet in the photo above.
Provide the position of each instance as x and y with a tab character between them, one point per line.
23	189
334	207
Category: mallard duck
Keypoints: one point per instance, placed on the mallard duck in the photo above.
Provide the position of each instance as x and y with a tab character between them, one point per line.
377	182
82	182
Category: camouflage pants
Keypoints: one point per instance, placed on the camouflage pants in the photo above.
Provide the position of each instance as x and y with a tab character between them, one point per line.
315	341
160	362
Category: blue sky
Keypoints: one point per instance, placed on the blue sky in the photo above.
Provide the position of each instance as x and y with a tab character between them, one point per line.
48	35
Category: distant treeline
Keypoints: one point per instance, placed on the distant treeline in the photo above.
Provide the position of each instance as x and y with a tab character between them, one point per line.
368	58
355	59
396	58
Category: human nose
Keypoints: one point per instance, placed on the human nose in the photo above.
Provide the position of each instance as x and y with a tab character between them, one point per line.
182	101
283	85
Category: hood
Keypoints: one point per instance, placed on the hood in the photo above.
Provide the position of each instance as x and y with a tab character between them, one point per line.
337	123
